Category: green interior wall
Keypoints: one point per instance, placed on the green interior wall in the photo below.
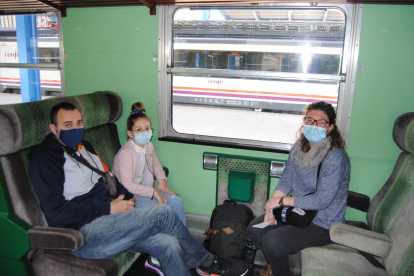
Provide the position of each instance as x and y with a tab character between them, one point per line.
383	91
113	49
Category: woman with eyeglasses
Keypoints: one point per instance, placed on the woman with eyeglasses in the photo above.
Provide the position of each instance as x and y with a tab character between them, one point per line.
136	165
302	186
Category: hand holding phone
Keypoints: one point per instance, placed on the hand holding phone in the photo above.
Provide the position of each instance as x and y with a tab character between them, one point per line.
128	196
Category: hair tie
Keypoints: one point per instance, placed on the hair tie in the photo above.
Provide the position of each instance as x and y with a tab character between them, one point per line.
138	110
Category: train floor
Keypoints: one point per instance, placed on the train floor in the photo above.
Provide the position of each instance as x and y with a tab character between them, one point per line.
197	224
139	269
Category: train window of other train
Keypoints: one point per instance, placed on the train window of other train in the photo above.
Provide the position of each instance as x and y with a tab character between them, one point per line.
30	58
241	76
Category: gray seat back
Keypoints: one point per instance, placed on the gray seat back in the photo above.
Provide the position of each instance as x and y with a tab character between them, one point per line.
24	126
391	209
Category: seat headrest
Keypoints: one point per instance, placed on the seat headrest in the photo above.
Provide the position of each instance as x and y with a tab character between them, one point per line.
403	132
26	124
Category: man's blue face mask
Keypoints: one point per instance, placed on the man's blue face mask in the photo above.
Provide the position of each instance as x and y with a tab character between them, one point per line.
71	137
314	134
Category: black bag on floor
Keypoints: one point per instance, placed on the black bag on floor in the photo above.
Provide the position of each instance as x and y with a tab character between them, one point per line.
227	237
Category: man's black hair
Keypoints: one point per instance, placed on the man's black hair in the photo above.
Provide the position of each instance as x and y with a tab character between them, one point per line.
56	108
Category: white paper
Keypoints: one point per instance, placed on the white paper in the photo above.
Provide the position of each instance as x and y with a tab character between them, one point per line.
262	225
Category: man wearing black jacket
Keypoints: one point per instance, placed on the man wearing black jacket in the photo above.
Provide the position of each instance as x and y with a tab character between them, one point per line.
73	196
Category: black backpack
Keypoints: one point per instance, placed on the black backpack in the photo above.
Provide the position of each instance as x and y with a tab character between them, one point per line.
227	237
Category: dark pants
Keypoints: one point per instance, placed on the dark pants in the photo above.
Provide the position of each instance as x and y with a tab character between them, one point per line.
279	240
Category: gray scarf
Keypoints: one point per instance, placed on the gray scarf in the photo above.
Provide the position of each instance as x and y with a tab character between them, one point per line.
311	159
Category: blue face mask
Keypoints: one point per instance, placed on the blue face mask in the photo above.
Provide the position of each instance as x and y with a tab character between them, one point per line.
71	137
143	138
314	134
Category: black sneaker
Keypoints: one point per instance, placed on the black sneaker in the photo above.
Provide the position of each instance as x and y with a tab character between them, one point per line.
224	267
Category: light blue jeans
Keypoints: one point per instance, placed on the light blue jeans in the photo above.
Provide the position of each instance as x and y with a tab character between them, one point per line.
175	202
155	230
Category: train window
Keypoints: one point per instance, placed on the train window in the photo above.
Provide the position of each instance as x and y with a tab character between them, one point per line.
240	76
30	57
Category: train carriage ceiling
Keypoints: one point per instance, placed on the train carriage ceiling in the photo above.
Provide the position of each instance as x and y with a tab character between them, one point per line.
30	6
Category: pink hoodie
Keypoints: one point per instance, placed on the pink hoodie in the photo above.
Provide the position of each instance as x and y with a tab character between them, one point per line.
126	168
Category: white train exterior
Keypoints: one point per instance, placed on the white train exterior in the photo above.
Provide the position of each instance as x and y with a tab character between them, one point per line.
48	47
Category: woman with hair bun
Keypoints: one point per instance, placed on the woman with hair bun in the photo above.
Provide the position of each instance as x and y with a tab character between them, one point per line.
137	166
302	186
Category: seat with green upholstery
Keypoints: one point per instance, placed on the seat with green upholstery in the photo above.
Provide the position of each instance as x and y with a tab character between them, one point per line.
390	220
25	125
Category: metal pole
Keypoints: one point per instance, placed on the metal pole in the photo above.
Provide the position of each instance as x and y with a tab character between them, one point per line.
28	50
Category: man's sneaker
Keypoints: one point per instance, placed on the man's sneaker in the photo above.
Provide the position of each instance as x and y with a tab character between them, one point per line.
153	265
224	267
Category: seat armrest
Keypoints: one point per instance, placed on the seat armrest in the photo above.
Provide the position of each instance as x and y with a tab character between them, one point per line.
365	240
55	238
358	201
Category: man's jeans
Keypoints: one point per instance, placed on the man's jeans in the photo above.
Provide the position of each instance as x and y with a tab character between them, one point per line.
155	230
174	201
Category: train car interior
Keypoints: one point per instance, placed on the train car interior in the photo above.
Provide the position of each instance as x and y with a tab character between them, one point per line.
225	85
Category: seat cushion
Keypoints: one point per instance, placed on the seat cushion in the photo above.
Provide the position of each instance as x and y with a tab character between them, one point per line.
63	263
336	260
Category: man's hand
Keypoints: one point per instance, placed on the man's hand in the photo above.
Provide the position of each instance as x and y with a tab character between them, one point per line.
119	205
162	186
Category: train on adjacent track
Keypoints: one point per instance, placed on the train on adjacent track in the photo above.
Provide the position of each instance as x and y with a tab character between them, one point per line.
48	52
193	50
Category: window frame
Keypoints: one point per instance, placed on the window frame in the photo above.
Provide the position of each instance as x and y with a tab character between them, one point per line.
346	78
59	66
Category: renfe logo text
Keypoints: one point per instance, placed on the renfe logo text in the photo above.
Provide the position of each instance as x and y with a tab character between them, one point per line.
11	55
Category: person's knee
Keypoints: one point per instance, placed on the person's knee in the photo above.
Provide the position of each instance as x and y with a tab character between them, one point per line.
254	234
164	211
250	232
172	242
175	201
273	244
162	208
